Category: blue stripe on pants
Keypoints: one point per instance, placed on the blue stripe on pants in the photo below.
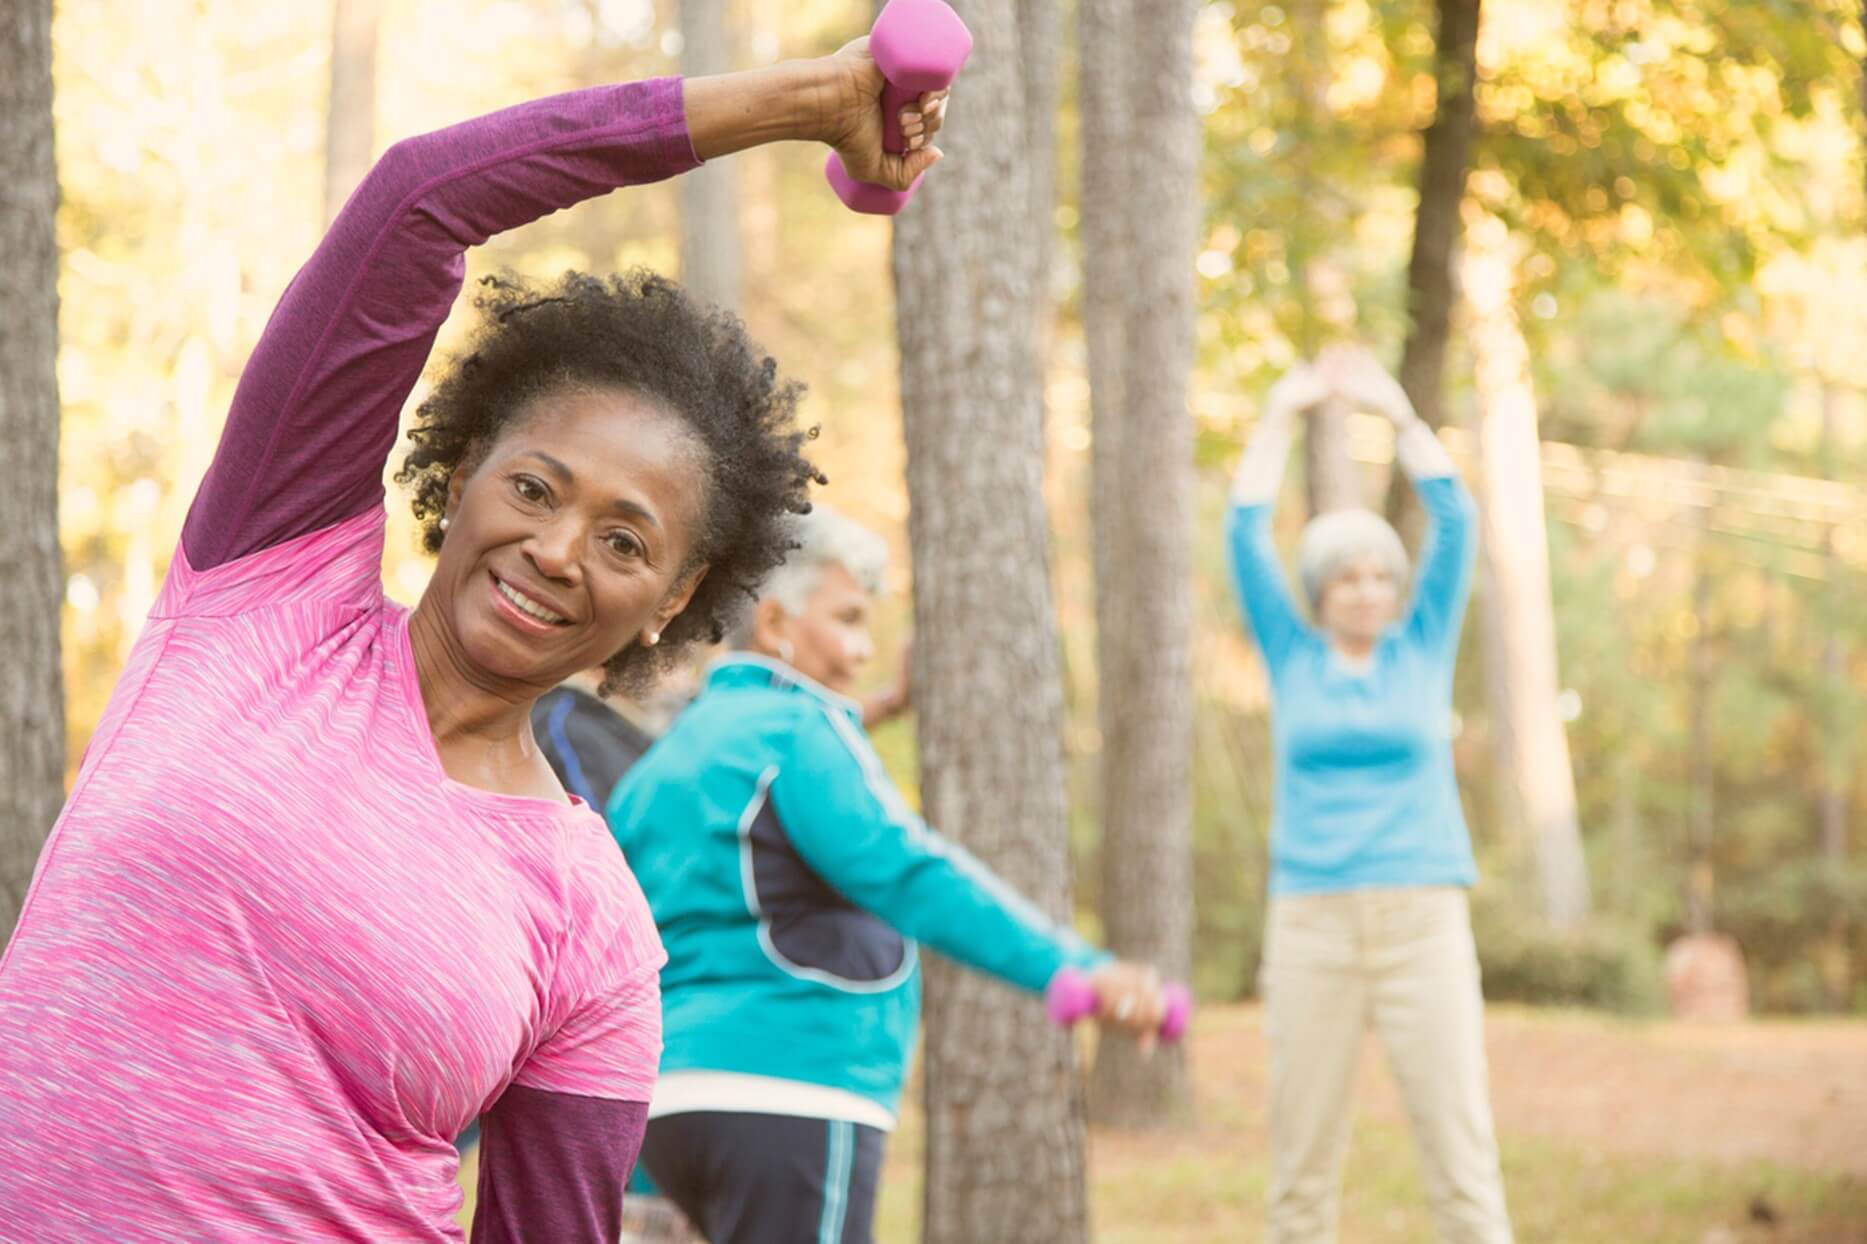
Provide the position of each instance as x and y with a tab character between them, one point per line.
836	1183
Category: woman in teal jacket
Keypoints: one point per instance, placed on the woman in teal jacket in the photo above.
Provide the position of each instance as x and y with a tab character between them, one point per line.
792	887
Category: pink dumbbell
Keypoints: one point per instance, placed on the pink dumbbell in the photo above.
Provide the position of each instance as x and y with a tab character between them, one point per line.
1071	997
919	46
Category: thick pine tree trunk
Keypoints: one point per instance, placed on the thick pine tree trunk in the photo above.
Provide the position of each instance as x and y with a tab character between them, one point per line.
32	711
1834	793
1040	29
350	116
1833	797
1330	478
1432	291
710	263
1004	1110
1518	613
1702	822
1140	223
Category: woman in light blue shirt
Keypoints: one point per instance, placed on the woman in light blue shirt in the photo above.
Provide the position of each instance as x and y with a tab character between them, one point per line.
1370	858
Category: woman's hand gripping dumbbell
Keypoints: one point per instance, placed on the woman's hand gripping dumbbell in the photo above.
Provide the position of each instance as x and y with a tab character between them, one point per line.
1127	995
918	46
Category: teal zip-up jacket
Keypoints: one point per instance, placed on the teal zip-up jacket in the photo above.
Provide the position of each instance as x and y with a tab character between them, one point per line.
791	885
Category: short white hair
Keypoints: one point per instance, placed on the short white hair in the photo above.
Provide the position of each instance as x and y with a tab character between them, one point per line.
824	537
1340	536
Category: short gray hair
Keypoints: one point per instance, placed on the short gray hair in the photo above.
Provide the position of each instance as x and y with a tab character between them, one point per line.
823	537
1342	535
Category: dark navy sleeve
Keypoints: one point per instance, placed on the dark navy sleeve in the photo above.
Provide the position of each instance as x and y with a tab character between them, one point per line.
587	744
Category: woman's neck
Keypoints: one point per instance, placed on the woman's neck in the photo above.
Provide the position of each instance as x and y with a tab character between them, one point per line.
1352	649
466	708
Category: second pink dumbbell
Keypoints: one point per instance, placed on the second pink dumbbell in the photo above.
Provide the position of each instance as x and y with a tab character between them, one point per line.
919	45
1071	997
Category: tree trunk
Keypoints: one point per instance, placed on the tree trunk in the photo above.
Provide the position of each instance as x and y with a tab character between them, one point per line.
1835	766
710	267
32	711
1040	29
350	117
1835	959
1701	878
1445	159
1330	479
1533	748
1106	228
1136	97
1004	1109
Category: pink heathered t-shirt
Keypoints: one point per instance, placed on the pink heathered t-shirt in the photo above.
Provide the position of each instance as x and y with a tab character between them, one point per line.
274	959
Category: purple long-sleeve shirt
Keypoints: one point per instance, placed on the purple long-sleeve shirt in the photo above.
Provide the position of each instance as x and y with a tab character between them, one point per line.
273	958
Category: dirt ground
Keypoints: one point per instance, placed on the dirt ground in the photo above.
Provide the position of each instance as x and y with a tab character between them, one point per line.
1788	1092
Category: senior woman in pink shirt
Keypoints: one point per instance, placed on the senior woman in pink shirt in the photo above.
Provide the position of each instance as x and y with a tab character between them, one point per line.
317	901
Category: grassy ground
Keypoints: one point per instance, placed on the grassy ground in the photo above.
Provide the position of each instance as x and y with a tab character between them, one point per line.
1612	1131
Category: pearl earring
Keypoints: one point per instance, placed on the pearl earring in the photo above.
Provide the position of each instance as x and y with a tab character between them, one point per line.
444	521
650	638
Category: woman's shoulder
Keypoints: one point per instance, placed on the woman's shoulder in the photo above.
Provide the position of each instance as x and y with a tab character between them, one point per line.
340	563
605	901
751	707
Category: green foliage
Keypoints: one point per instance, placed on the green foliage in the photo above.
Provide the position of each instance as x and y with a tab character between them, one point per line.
1621	129
1643	373
1685	176
1799	924
1603	966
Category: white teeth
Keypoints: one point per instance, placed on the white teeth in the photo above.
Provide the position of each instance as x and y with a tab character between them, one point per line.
526	604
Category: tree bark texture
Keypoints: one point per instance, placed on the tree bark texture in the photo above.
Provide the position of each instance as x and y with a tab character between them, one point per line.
1432	291
1834	793
1040	30
1004	1109
1330	478
1518	614
710	250
1140	229
32	713
350	116
1702	825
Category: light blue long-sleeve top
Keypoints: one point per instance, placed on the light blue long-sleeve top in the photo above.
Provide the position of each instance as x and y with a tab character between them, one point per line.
1365	793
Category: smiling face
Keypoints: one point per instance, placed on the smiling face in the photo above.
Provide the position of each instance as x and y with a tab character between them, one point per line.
1359	600
569	537
828	639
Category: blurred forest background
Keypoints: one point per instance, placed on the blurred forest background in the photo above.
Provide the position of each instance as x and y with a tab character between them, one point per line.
1615	250
1675	187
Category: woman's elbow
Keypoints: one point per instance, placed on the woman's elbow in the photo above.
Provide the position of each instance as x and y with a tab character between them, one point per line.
401	167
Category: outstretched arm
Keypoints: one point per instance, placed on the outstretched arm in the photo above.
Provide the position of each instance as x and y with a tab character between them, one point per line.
314	415
847	822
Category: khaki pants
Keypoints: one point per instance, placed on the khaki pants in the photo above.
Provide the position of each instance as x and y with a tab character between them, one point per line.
1403	960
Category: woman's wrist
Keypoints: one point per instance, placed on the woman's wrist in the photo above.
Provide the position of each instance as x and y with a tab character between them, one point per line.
792	101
